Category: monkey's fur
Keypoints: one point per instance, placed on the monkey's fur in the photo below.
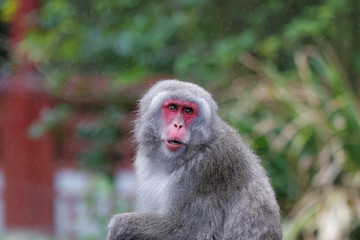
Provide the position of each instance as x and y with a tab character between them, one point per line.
212	188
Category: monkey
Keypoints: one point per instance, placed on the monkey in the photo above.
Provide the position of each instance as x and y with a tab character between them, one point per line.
197	179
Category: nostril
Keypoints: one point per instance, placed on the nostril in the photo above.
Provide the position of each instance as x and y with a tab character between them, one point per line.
180	126
175	125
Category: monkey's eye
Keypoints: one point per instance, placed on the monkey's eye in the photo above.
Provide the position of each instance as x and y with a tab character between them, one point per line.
172	107
189	110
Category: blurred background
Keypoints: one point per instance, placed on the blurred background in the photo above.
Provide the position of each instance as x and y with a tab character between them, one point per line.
286	74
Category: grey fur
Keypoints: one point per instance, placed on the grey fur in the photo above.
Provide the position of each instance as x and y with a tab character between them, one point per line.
212	188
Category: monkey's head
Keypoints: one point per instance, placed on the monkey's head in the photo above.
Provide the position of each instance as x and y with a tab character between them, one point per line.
174	116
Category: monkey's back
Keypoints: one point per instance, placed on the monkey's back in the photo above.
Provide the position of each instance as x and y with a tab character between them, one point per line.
233	188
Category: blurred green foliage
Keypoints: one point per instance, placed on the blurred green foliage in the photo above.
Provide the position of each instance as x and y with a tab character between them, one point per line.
50	118
284	72
195	40
8	9
306	128
102	134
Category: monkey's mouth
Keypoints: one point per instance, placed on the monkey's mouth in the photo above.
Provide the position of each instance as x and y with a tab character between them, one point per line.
175	142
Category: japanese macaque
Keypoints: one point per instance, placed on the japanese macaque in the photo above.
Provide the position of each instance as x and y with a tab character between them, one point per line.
197	178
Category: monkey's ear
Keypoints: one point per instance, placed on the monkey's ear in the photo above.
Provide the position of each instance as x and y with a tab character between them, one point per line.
205	111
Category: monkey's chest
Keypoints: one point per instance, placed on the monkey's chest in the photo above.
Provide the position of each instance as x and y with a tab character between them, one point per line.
154	193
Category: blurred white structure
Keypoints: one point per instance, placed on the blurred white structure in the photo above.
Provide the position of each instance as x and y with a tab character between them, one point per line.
85	202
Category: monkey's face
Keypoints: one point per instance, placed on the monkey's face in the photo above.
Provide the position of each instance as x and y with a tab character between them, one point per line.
176	116
175	119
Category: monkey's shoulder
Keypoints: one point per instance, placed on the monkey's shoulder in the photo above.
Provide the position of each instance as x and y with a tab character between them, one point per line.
226	163
228	148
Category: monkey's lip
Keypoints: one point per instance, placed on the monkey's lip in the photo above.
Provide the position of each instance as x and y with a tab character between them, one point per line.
173	144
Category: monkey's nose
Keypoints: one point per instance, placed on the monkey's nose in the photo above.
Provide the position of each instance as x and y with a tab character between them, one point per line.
178	125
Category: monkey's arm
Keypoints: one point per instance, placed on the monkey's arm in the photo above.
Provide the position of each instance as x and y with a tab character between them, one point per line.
139	226
195	220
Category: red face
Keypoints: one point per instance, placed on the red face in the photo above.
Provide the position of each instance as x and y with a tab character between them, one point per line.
177	116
